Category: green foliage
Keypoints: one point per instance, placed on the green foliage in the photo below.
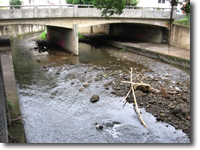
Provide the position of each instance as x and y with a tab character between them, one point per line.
184	21
186	7
81	36
107	7
123	50
15	2
79	1
10	104
132	2
43	35
69	1
19	35
76	1
110	7
105	75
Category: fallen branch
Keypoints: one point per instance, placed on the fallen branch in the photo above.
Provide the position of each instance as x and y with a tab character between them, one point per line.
132	85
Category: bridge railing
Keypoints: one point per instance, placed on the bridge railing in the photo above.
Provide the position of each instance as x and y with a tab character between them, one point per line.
69	10
79	6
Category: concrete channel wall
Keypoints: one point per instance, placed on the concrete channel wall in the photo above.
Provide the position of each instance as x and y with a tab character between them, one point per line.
16	128
180	36
18	30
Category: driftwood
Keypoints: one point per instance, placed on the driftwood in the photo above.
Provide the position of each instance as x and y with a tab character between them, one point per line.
136	85
140	86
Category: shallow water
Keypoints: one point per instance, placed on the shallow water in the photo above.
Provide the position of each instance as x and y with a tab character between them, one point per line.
55	111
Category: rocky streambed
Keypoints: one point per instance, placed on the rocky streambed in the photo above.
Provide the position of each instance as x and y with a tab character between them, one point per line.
79	99
170	103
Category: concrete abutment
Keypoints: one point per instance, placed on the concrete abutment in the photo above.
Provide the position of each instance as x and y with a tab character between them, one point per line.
64	37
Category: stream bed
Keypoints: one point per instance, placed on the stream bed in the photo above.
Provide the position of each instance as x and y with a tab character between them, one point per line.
55	88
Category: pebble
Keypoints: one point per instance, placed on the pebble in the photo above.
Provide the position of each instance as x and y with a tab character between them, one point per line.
167	75
94	98
177	110
162	115
90	80
82	89
147	106
152	101
86	84
44	66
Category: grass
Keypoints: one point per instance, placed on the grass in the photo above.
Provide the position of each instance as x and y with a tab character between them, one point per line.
10	104
184	21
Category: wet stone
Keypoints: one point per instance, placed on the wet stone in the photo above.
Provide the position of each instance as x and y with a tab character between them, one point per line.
94	98
90	80
82	89
97	79
44	66
86	84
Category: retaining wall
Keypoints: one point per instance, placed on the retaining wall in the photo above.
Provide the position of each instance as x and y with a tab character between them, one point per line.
180	36
18	30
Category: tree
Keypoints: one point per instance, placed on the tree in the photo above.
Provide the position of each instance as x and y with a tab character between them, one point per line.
186	7
79	1
87	1
107	7
15	2
76	2
110	7
132	2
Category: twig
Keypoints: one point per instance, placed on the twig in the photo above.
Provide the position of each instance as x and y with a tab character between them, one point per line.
124	103
126	95
20	118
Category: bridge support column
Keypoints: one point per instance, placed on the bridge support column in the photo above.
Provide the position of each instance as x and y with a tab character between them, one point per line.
64	37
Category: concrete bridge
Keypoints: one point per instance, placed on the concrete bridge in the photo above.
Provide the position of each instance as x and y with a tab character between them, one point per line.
64	21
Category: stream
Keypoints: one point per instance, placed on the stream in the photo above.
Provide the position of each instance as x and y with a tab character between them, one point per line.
56	106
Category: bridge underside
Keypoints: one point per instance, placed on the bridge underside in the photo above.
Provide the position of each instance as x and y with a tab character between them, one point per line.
64	31
83	22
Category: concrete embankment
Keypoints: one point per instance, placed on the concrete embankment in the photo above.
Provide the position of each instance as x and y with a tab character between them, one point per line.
173	55
15	126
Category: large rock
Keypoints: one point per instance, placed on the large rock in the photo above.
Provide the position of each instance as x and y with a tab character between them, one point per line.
94	98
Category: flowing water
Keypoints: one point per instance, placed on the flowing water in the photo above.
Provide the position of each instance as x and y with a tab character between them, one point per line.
56	111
